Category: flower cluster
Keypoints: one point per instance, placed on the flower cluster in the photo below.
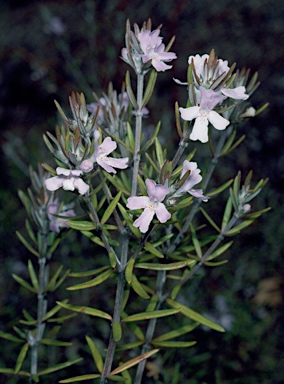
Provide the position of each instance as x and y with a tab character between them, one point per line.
210	90
144	48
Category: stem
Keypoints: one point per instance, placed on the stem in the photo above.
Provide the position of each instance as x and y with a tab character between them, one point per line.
205	183
161	279
41	306
138	127
117	309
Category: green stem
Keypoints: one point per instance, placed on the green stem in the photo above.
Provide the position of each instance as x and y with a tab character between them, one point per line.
138	127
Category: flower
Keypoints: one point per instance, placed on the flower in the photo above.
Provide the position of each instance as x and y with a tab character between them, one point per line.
101	152
193	178
154	50
204	114
57	222
68	179
152	204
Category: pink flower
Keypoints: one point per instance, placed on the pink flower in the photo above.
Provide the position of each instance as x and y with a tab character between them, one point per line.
193	179
154	50
57	222
101	152
152	204
68	179
204	114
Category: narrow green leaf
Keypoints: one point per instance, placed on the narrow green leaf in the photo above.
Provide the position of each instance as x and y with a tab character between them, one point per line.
215	263
96	354
116	378
159	153
129	221
133	362
130	91
61	319
175	291
86	310
54	278
152	162
219	251
150	87
93	238
81	225
81	378
196	243
26	244
229	142
151	315
236	144
59	366
173	344
60	281
227	213
33	275
116	330
24	283
153	250
88	273
137	287
129	270
127	376
54	246
92	283
211	221
55	343
111	208
195	315
220	189
10	337
152	303
130	345
21	357
234	231
177	332
134	328
117	183
130	136
164	267
151	140
30	231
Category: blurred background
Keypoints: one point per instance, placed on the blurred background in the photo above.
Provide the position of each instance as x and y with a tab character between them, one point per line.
49	49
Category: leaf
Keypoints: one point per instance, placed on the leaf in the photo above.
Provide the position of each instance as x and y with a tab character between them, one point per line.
220	189
152	303
136	285
177	332
159	153
196	243
150	87
88	273
151	315
59	366
10	337
153	250
82	225
54	278
61	319
55	343
227	213
130	137
26	244
195	315
234	231
92	283
111	208
24	283
164	267
21	357
130	91
116	378
86	310
133	362
211	221
81	378
129	270
130	345
33	275
219	251
174	344
129	221
96	354
116	330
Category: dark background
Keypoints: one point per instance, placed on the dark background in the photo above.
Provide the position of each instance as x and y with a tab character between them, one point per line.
38	66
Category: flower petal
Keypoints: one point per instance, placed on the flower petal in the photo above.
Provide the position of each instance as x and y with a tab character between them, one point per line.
160	66
217	120
54	183
137	202
118	163
108	145
200	130
156	191
237	93
189	113
199	194
162	213
81	186
144	220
